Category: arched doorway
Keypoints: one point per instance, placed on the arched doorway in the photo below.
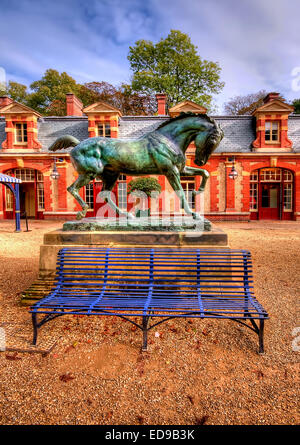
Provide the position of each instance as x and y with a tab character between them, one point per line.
271	194
31	194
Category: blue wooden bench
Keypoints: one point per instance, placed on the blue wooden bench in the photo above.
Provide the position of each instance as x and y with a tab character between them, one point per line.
158	283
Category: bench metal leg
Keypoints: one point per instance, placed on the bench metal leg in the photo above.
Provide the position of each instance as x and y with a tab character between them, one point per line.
261	336
145	333
35	328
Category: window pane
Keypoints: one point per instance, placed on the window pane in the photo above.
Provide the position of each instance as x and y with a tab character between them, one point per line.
269	174
254	176
24	132
25	174
89	195
100	130
188	185
273	197
288	176
265	197
122	195
107	130
21	132
18	133
8	199
40	196
287	196
253	196
275	132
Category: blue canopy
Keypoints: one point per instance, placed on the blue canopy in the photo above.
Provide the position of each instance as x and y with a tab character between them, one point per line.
8	181
6	178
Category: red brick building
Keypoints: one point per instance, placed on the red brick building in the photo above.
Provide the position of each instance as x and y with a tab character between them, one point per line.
264	148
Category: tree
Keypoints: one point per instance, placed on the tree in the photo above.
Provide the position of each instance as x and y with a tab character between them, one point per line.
134	103
48	95
173	66
122	97
15	91
92	92
296	104
239	105
146	185
53	86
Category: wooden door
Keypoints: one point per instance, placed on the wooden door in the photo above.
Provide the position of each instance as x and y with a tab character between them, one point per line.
269	201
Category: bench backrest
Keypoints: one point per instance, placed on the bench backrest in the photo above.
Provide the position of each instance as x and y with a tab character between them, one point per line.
165	269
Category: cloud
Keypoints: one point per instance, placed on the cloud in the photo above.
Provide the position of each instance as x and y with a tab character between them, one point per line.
256	42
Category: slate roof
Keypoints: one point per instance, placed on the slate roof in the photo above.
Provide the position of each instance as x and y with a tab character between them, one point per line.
239	131
51	128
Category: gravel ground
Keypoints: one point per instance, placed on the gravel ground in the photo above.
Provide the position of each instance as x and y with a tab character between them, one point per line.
196	372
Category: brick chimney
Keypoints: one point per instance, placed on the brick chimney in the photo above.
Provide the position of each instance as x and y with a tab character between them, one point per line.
161	103
271	96
4	101
74	105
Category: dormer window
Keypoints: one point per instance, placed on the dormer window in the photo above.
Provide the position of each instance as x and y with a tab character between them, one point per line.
272	125
21	127
104	130
103	120
20	133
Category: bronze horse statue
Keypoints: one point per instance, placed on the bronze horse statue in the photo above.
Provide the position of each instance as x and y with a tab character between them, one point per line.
159	152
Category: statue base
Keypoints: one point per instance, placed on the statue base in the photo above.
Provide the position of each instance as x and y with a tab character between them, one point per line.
58	239
176	224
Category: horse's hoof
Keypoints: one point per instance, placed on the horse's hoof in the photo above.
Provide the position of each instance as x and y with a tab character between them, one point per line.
79	215
196	216
130	216
197	192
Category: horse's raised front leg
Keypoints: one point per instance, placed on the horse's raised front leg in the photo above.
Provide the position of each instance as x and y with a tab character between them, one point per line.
109	179
174	180
191	171
74	188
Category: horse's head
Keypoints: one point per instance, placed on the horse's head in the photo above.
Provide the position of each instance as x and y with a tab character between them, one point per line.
207	141
187	127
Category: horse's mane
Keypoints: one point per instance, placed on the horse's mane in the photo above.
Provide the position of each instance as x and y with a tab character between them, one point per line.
183	115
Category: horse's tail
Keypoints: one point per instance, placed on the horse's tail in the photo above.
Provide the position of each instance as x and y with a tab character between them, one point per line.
64	142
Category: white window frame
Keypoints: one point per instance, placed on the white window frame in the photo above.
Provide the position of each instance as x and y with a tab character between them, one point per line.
89	195
23	132
271	140
102	129
122	192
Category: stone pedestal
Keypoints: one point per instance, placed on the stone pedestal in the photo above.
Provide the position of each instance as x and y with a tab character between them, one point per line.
181	223
57	239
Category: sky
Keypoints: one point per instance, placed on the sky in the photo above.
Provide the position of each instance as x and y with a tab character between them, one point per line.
256	42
